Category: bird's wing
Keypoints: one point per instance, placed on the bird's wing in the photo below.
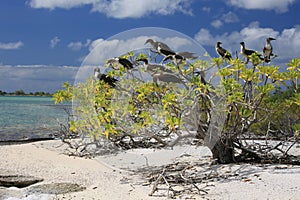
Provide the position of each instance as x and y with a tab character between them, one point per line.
166	52
187	55
221	51
167	77
264	49
126	63
250	52
165	47
158	68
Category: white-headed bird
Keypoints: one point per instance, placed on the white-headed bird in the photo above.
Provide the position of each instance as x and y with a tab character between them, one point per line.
246	53
268	50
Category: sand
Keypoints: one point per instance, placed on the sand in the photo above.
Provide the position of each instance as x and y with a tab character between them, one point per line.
108	177
35	159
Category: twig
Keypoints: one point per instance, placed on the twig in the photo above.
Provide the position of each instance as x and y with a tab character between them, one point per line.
154	188
288	149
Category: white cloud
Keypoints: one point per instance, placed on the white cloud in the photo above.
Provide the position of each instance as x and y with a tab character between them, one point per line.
277	5
11	45
120	8
32	78
52	4
204	37
216	23
230	17
77	46
286	45
54	41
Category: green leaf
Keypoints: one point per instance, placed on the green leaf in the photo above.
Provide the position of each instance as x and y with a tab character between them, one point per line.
255	58
245	112
218	61
247	75
141	56
293	64
265	89
267	70
225	72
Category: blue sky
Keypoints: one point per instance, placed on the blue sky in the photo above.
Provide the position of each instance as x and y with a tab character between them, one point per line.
43	42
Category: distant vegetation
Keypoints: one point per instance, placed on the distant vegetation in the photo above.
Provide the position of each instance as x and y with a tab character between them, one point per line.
22	93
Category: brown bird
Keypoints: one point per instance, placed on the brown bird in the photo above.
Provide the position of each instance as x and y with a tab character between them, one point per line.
222	52
248	52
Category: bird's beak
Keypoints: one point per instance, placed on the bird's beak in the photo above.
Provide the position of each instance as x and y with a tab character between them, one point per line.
272	39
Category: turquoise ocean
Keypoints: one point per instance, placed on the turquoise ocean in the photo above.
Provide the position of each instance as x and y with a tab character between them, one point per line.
23	117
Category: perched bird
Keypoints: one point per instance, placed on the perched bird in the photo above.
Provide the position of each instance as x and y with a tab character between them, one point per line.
103	77
176	58
160	73
122	61
166	77
222	52
180	57
247	52
200	74
164	50
160	47
154	68
268	50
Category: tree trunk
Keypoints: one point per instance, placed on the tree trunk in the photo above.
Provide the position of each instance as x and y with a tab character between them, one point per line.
223	151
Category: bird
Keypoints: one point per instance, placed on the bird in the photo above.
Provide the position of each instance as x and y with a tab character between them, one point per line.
122	61
160	72
164	50
247	52
176	58
201	74
154	68
268	50
222	52
166	77
104	77
160	47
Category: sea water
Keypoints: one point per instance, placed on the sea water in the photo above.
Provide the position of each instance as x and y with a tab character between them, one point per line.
24	117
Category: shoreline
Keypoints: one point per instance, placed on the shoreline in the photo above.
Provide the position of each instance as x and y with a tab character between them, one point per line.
45	159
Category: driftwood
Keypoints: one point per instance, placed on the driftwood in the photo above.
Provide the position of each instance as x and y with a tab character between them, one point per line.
181	178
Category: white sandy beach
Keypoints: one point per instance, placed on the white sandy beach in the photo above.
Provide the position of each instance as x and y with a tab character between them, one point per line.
103	179
101	182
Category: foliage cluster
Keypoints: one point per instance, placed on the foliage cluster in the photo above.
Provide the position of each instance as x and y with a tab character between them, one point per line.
149	113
